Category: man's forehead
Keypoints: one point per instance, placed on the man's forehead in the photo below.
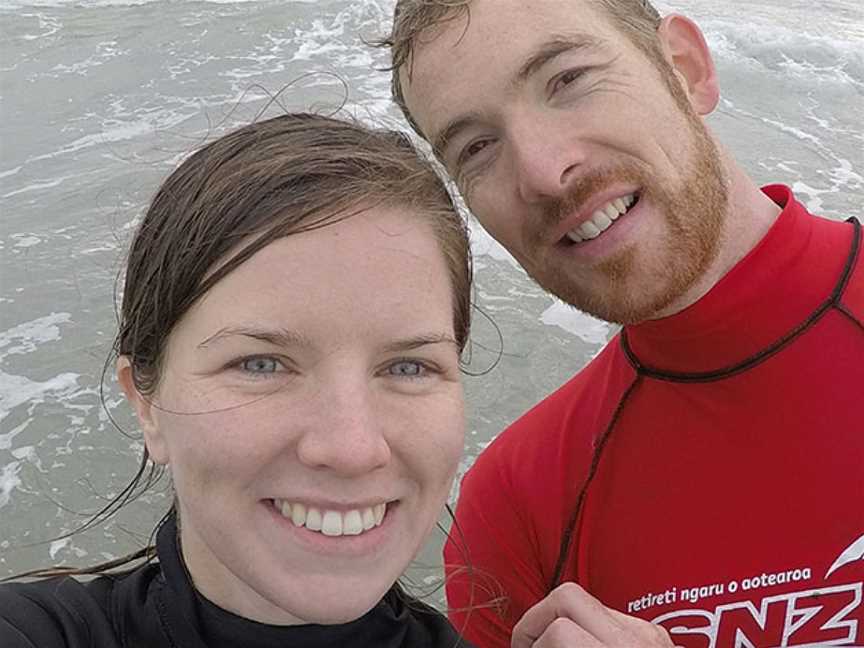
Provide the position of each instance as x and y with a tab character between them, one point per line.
494	29
498	44
491	16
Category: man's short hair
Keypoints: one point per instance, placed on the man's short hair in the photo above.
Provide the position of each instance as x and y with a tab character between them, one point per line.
636	19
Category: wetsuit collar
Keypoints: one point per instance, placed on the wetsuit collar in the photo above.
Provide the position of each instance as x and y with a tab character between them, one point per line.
773	289
194	622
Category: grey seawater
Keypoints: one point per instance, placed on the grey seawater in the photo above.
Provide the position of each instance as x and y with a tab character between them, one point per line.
101	99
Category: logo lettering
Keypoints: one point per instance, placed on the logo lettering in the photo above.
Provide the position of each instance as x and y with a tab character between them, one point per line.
830	616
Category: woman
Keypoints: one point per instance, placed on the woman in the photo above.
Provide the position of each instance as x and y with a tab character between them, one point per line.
296	301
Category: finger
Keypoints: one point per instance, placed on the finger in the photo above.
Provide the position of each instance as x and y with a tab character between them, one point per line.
608	626
560	633
644	629
568	601
534	623
579	606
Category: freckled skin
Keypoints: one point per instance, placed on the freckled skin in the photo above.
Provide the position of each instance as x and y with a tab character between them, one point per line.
545	153
332	414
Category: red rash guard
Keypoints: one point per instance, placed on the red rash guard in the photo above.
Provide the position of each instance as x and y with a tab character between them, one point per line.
705	471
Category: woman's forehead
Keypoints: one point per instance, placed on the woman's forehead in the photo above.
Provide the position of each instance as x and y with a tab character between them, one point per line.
381	264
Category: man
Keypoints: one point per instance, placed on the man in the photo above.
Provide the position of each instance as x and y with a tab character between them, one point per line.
706	471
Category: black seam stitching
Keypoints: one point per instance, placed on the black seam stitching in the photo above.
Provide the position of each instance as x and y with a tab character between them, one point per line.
740	367
845	311
567	539
162	613
839	305
118	622
69	607
20	631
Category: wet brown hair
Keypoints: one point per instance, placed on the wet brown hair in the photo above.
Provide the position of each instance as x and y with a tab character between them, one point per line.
236	195
636	19
260	183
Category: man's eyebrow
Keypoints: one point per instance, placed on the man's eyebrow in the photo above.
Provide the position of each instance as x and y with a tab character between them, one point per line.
453	128
555	47
278	337
417	341
547	51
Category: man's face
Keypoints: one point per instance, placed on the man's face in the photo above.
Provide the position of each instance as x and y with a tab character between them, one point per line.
571	150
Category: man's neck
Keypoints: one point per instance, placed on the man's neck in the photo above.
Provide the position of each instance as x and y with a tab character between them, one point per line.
750	215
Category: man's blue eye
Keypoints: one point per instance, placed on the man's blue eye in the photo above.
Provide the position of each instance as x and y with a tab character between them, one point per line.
259	365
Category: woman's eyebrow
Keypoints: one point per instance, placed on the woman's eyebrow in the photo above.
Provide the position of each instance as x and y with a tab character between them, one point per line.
417	341
278	337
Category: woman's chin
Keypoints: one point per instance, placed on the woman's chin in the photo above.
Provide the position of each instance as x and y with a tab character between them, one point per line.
336	611
329	601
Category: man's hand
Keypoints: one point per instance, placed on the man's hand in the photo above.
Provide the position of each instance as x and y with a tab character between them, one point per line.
571	618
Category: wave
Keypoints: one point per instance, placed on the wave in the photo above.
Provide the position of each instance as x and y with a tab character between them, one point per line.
86	4
788	51
787	38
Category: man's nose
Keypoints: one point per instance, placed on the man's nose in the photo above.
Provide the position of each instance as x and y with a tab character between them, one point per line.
345	435
545	157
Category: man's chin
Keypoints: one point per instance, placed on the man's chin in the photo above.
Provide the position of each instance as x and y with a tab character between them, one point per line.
625	307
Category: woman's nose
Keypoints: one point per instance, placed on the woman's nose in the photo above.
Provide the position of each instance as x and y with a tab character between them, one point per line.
345	434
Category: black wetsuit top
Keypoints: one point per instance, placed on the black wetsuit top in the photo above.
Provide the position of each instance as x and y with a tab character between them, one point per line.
156	605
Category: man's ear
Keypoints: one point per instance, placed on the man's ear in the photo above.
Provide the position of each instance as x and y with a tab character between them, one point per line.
686	50
144	408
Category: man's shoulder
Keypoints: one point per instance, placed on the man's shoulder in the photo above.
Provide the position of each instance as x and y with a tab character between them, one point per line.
565	423
852	297
577	408
516	498
843	240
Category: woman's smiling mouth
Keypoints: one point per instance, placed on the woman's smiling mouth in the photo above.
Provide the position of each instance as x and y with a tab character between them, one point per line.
351	522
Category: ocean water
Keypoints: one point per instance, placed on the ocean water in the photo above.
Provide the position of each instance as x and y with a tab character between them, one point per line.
99	99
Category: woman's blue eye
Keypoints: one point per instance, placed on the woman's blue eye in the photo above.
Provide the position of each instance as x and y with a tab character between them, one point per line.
407	369
259	365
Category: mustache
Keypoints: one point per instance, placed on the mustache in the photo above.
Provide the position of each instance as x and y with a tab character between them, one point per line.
583	188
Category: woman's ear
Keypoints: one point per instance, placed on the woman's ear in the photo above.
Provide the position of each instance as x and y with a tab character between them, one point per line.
144	408
687	52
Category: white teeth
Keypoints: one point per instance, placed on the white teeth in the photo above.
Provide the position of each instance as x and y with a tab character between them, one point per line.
313	519
378	511
601	219
298	515
611	211
589	230
285	507
352	523
332	523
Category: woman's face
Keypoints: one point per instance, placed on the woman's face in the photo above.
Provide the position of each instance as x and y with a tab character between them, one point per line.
312	391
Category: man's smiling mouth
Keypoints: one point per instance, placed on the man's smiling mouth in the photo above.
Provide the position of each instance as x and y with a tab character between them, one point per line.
602	219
